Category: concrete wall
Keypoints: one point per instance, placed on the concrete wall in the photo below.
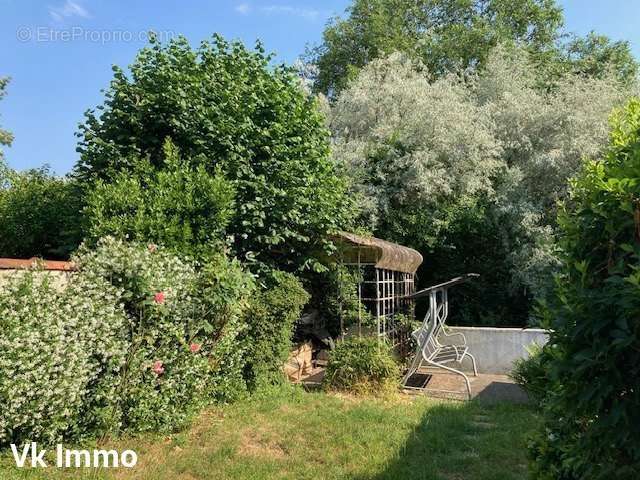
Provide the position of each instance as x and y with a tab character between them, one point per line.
495	349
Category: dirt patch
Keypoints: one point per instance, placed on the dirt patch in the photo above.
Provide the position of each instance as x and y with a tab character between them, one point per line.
287	409
205	421
256	444
346	397
186	476
298	408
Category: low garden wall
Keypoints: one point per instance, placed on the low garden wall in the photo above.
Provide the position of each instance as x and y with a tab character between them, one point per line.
496	349
60	271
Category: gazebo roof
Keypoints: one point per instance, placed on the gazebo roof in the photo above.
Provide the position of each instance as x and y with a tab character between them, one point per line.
389	256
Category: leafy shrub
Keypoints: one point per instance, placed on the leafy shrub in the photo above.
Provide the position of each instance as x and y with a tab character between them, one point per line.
592	413
40	214
334	294
531	373
225	106
61	352
180	207
225	289
361	365
270	321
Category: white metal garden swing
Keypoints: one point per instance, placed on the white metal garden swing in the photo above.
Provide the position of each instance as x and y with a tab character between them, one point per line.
435	341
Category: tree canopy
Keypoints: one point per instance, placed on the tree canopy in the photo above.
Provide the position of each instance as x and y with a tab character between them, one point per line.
456	35
597	55
468	168
229	112
446	35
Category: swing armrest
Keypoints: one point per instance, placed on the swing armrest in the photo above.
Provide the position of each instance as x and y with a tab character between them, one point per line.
444	333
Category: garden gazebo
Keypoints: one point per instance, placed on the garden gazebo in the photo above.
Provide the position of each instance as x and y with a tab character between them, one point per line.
387	274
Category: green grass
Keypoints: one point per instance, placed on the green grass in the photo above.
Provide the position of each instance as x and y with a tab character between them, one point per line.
298	435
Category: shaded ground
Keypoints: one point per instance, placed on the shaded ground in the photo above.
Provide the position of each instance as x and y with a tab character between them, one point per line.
485	388
438	383
299	435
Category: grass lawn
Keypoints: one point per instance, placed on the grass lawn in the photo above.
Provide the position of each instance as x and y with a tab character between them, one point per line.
298	435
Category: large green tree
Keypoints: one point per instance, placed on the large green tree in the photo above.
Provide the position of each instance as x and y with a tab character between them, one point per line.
228	111
597	55
446	35
457	35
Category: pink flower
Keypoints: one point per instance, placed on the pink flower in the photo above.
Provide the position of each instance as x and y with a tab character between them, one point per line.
195	347
159	298
153	248
158	367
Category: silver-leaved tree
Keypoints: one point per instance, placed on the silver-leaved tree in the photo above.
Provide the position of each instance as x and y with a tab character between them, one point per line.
468	168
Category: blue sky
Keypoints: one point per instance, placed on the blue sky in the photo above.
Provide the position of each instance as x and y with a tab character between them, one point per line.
59	52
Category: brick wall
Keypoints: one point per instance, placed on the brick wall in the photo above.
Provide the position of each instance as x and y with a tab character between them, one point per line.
60	271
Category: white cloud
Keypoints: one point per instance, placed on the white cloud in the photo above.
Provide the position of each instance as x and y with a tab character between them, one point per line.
306	13
243	8
67	10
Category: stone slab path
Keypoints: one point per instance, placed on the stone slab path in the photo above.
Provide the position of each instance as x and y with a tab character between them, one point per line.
484	388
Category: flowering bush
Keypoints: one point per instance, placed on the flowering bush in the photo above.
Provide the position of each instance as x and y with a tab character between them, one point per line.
182	323
139	340
61	352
